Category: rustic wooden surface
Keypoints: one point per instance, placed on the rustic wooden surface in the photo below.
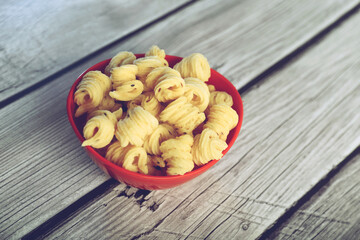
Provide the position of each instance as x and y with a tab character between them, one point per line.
332	213
296	110
42	38
273	163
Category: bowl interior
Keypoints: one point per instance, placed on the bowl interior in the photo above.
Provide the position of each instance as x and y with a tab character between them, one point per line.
141	180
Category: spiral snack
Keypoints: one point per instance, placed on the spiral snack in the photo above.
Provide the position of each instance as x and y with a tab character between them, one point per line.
153	78
147	64
108	103
135	102
195	65
220	97
221	119
91	91
151	104
166	82
183	115
99	129
121	58
162	133
207	146
177	154
211	88
127	91
111	116
148	101
122	74
118	111
134	128
156	51
130	157
197	93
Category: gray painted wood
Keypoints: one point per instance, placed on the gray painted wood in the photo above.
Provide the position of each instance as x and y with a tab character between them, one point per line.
332	213
40	38
246	38
292	122
43	168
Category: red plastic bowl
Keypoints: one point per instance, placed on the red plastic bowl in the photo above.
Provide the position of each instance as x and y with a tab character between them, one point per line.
140	180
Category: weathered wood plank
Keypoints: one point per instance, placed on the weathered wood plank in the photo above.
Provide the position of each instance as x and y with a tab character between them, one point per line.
292	122
40	152
332	213
40	38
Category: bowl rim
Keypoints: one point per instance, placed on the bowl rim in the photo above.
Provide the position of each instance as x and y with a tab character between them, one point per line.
120	169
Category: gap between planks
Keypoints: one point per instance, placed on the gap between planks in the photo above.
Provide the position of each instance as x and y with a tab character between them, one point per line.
304	199
104	188
8	100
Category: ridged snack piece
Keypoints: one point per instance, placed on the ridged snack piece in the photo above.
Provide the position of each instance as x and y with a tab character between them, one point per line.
135	127
166	82
183	115
119	59
91	91
153	141
99	130
221	119
220	97
147	64
197	93
196	65
124	83
156	51
207	146
177	155
131	157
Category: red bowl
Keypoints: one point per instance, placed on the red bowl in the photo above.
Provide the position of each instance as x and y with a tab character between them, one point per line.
139	180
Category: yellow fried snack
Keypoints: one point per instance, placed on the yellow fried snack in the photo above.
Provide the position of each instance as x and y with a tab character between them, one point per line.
197	93
195	65
134	128
177	155
156	51
147	64
148	101
124	83
153	78
166	82
91	91
135	102
119	59
151	104
207	146
183	115
111	116
211	88
128	91
131	157
220	97
118	111
221	119
122	74
99	129
108	103
162	133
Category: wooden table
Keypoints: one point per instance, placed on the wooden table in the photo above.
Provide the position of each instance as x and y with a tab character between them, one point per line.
293	172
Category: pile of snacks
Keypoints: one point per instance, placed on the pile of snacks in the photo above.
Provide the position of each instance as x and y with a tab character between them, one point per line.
154	119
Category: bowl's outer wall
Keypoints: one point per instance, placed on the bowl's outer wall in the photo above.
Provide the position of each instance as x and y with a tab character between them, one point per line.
140	180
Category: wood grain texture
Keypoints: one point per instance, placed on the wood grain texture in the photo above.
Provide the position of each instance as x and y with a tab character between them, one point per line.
42	163
292	122
332	213
40	38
